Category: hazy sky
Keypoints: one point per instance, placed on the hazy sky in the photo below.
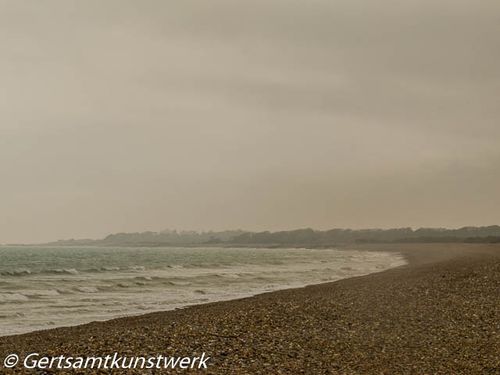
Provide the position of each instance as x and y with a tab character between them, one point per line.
264	114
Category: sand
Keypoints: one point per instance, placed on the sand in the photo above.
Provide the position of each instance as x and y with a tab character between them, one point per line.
438	315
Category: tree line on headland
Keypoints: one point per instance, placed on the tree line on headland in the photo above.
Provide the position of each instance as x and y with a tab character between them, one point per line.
305	237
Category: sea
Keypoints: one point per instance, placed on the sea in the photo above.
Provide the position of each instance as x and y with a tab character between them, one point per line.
46	287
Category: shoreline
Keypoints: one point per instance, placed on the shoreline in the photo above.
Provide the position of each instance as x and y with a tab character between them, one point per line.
361	324
398	258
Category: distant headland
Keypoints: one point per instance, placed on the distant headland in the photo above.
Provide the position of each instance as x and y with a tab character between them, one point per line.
299	237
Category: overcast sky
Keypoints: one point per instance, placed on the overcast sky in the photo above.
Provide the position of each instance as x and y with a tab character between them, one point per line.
264	114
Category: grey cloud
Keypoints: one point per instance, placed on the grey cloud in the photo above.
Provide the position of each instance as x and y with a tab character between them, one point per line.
126	115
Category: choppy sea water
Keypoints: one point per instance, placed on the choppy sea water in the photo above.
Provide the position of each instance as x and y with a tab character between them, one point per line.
45	287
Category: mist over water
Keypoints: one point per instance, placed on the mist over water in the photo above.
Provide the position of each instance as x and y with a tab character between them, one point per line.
44	287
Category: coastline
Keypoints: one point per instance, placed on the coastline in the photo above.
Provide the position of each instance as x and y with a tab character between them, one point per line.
438	314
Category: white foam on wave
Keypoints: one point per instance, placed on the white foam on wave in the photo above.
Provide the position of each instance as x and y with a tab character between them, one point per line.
16	272
70	271
40	293
87	289
12	297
